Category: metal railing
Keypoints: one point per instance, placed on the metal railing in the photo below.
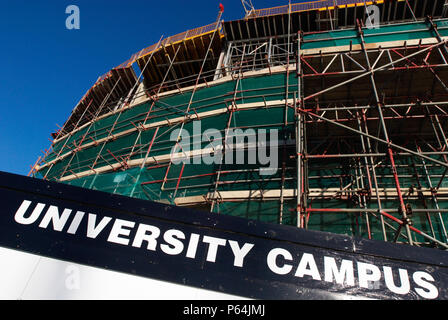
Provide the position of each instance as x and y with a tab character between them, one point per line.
296	7
168	41
306	6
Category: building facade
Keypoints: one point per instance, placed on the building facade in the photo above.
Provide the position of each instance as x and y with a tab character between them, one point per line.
328	115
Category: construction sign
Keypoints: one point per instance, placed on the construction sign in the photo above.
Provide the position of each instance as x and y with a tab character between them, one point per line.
201	250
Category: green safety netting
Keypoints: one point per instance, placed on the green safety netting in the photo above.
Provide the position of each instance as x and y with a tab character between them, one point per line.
156	183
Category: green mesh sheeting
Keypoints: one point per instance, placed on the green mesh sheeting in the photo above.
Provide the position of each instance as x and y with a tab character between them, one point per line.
385	33
167	183
251	90
200	179
254	89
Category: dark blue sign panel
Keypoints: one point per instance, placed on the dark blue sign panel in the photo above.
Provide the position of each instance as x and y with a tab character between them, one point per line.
220	253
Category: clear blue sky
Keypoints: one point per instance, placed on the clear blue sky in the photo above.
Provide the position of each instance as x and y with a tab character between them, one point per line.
46	68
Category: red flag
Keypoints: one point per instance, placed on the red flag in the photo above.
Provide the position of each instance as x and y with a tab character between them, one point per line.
221	7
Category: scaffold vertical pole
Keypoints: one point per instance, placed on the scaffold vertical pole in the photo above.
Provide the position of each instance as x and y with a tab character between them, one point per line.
386	135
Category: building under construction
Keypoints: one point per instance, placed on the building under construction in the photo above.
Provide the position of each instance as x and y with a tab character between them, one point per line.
360	112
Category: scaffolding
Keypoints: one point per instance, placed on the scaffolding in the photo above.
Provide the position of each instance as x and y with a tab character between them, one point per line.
361	116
